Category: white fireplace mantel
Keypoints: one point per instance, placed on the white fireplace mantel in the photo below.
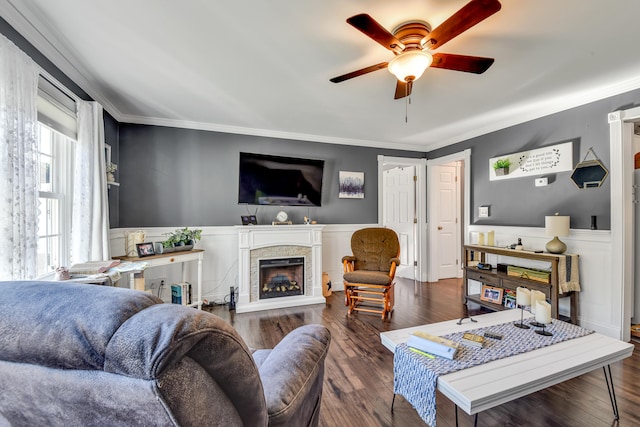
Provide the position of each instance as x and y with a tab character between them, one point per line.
286	240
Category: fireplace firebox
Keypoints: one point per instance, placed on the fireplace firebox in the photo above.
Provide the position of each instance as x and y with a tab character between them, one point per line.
281	277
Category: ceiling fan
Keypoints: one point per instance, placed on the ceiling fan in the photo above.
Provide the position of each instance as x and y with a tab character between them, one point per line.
412	42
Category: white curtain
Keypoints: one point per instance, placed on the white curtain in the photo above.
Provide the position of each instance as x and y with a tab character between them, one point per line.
90	220
19	179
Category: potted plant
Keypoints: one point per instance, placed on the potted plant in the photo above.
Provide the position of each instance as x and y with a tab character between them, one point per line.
111	168
183	239
501	166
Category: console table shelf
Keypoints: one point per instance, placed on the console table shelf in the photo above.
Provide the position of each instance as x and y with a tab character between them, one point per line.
503	280
136	277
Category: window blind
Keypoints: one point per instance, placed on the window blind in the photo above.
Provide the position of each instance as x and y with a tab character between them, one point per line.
56	109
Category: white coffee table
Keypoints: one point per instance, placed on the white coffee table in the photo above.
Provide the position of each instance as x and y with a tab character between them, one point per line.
479	388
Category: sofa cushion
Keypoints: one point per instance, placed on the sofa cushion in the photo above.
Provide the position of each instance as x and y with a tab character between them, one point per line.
63	325
156	339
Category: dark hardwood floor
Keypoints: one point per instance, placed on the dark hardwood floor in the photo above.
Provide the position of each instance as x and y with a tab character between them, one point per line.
358	382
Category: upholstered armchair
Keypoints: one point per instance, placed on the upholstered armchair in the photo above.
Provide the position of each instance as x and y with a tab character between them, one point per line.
369	273
76	355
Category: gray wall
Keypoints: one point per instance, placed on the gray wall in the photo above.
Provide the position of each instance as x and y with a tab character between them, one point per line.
176	177
517	202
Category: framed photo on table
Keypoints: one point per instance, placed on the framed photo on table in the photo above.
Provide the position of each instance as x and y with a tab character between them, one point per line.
145	249
249	220
510	301
491	294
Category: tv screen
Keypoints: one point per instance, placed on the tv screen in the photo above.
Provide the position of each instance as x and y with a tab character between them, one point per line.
281	181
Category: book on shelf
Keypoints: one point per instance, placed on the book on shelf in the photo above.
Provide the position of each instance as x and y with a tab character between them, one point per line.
433	344
473	340
93	267
181	293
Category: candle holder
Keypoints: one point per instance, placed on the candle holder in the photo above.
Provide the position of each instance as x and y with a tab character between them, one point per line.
543	331
537	324
521	325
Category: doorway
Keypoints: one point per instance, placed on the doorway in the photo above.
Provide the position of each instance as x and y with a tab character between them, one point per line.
621	133
448	197
401	207
447	219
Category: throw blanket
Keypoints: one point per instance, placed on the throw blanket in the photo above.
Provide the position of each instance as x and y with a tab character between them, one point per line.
568	275
416	376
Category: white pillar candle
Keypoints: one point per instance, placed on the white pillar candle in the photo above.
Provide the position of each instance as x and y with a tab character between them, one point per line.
523	296
481	239
491	238
535	297
543	312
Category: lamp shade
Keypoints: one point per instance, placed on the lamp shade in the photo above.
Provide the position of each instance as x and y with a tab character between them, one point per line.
410	65
556	225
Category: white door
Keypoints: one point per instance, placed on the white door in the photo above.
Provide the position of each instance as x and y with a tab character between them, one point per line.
448	234
399	212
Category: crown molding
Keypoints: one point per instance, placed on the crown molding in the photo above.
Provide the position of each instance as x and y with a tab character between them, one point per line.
268	133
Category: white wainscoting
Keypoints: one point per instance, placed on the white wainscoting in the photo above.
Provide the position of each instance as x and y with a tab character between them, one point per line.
599	298
220	265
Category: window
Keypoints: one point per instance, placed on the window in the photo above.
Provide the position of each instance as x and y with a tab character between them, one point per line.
56	189
56	136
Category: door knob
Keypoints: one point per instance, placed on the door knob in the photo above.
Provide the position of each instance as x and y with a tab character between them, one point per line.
439	227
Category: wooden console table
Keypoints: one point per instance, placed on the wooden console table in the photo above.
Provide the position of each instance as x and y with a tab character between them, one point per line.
136	277
503	280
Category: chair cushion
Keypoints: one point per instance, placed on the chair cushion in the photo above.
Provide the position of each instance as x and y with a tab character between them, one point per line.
373	248
368	277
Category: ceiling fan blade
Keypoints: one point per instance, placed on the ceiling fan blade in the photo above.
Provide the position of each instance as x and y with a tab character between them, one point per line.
403	89
471	14
468	64
371	28
360	72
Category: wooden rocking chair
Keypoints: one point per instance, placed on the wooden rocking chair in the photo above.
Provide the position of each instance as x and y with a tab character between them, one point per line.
370	271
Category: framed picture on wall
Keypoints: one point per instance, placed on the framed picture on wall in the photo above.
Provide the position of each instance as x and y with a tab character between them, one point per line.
351	185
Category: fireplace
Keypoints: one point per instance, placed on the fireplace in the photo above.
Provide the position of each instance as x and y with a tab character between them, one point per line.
281	277
293	253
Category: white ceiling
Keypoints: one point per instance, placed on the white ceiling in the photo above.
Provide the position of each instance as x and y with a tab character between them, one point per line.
263	67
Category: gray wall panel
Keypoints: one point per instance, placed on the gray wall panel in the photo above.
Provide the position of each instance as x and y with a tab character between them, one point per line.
175	177
517	202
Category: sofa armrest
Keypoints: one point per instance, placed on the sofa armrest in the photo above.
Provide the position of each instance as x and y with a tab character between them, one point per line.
396	260
292	374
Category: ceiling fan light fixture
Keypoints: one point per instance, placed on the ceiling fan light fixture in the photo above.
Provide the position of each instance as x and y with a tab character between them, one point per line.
409	66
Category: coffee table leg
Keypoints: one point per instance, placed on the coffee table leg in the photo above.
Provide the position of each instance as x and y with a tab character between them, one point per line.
475	422
612	393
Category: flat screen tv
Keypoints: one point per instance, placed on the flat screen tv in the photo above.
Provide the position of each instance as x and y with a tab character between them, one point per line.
281	181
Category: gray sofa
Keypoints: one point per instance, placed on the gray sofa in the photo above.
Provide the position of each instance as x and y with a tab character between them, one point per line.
77	355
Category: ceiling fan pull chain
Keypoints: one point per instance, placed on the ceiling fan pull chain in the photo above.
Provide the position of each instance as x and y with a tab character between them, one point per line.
406	103
406	109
